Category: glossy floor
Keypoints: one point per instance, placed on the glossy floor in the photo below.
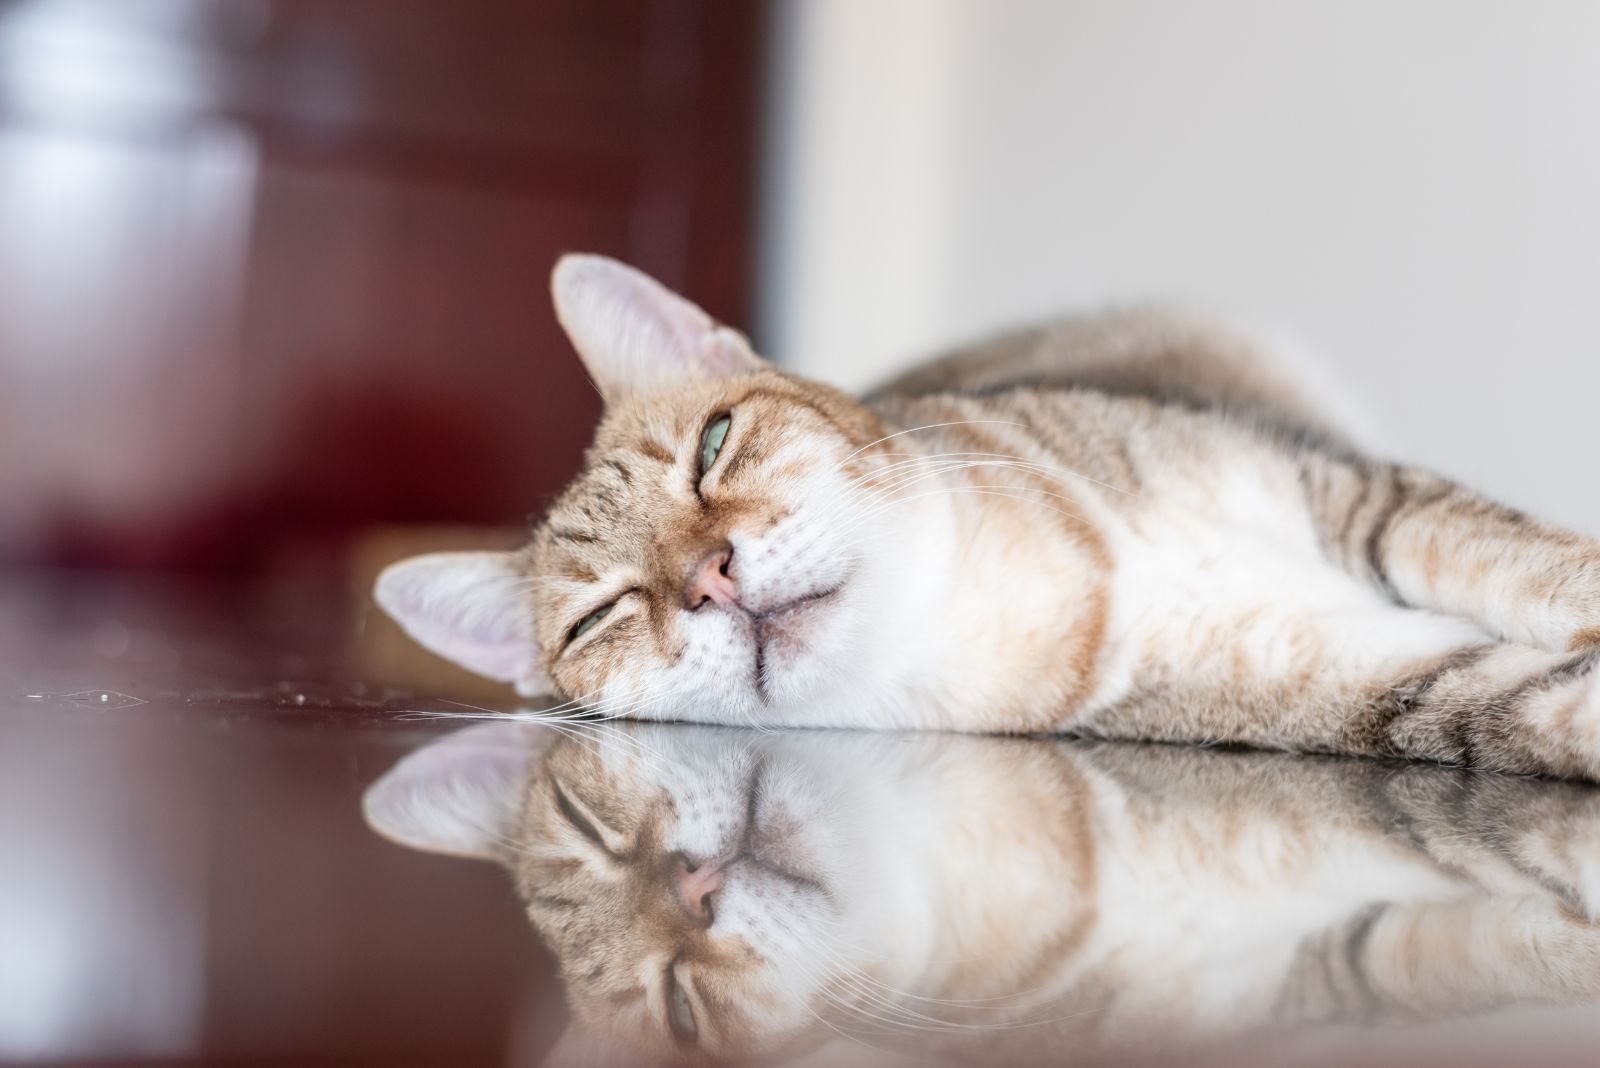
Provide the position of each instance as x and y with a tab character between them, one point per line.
185	875
189	876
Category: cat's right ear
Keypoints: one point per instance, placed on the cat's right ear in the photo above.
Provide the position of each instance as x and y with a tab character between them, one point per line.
635	335
459	795
471	608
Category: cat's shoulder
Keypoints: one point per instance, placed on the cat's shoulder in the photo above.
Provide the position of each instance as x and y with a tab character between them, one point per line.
1161	355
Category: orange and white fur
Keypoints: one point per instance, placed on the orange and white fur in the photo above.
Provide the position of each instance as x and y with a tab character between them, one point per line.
716	894
1127	526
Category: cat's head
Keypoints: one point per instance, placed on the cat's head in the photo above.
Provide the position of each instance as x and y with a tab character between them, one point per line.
716	558
700	898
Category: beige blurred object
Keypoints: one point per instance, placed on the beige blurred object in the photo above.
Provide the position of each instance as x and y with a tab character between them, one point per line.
383	651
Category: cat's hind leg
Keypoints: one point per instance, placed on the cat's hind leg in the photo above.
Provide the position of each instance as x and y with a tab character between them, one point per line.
1389	682
1431	543
1397	961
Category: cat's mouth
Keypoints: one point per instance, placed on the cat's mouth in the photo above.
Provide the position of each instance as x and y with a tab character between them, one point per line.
767	841
779	634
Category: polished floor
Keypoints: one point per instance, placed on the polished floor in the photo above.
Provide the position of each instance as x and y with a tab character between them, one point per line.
187	875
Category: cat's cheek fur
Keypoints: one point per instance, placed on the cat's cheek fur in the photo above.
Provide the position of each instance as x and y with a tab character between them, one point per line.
709	680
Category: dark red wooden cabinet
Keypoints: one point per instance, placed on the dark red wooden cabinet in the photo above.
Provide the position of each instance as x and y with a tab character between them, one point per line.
273	270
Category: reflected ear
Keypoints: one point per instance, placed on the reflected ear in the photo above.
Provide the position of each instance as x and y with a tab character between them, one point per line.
472	608
577	1048
459	795
636	335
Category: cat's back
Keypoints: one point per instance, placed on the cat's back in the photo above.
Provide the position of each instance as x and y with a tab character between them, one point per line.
1163	356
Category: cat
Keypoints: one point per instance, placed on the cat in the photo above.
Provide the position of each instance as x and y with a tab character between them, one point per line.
725	894
1125	526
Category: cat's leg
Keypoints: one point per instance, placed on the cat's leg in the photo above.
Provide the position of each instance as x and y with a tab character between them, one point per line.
1527	855
1434	544
1387	681
1510	836
1502	707
1424	961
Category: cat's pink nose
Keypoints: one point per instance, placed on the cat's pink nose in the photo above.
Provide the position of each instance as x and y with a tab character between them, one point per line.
711	582
696	884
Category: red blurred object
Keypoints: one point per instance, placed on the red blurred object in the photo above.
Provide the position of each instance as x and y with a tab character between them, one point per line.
274	270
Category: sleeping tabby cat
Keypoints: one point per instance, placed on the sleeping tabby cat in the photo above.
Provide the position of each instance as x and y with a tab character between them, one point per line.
1125	526
724	894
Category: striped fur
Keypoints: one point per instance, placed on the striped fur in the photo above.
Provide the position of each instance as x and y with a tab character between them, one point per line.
1128	525
992	900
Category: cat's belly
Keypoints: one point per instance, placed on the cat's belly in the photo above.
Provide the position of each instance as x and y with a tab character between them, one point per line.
1205	608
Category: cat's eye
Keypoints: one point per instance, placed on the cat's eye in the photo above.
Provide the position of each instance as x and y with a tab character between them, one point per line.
588	622
679	1011
576	818
711	441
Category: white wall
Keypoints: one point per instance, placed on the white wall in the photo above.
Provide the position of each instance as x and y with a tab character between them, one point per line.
1409	187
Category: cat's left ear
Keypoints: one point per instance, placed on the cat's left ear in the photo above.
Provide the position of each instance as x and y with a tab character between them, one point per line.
459	795
635	335
471	608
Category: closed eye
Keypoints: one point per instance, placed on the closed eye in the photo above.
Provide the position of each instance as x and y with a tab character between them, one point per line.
589	622
575	816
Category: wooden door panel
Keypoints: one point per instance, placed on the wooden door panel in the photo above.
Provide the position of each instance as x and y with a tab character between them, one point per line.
287	277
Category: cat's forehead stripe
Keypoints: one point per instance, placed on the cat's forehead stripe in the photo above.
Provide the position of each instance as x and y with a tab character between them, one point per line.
652	449
631	996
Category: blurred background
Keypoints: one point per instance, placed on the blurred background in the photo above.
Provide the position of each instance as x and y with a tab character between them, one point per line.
273	312
272	271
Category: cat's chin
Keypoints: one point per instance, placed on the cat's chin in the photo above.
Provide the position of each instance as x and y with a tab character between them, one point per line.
786	637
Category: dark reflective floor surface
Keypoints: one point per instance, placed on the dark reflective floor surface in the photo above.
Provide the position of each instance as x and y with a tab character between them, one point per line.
221	842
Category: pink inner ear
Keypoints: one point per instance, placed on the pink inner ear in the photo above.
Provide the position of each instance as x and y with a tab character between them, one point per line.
504	660
469	608
459	794
633	333
731	353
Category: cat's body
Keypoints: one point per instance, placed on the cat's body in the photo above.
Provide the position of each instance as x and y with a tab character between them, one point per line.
1007	900
1241	572
1127	526
1162	356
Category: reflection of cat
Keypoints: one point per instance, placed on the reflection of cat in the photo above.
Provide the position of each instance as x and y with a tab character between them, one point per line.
1126	526
717	893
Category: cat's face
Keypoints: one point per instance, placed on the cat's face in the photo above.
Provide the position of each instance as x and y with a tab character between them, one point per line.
718	558
722	890
710	551
701	899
